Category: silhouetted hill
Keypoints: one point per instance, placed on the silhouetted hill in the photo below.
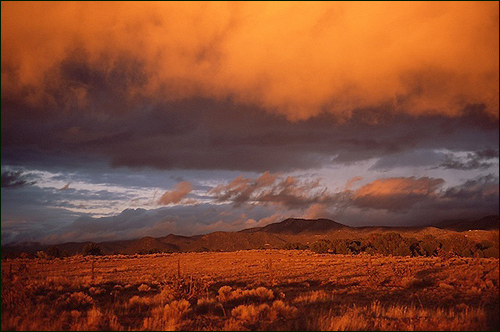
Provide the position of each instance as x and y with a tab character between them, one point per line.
296	226
275	235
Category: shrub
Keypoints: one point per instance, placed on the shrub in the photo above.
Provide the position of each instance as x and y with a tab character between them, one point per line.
295	246
224	294
144	288
263	293
491	252
42	255
205	305
168	317
77	300
250	314
189	288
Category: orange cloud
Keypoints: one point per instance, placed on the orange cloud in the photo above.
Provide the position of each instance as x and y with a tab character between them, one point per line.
177	194
316	211
295	58
352	181
396	193
65	187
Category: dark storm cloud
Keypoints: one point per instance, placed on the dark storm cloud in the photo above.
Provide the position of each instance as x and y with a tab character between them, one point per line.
482	189
473	160
204	134
15	179
409	158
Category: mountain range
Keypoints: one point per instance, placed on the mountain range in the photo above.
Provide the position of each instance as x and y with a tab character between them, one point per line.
275	235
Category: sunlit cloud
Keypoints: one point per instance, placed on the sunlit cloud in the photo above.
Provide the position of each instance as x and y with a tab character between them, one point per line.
177	194
294	58
396	193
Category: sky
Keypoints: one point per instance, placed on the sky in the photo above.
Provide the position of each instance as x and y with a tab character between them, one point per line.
123	120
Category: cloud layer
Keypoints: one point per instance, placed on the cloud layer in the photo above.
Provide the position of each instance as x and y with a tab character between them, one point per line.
296	59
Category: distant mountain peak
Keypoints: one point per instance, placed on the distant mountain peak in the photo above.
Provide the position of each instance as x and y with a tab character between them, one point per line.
298	225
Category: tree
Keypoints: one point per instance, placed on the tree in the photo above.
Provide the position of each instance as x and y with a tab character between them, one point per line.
294	246
92	249
391	243
321	246
340	247
429	245
54	251
459	244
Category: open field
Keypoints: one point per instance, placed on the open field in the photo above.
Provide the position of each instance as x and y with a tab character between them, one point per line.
250	290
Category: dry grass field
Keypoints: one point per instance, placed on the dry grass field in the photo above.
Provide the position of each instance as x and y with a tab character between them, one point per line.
250	290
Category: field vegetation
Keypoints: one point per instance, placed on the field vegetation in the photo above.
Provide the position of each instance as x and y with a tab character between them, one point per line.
251	290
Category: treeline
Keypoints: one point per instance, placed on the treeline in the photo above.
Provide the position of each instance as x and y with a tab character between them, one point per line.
395	244
390	243
90	249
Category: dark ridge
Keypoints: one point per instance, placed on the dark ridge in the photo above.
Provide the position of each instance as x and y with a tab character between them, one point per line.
275	235
486	223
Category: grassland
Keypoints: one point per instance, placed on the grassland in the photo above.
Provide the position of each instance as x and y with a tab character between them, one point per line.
250	290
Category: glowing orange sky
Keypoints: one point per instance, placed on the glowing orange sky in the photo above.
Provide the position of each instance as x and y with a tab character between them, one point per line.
295	58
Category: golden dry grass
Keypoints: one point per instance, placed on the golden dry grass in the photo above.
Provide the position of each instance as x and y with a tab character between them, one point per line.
250	290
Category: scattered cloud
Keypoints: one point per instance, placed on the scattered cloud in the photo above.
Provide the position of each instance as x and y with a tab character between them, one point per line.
66	187
349	184
181	190
316	211
16	179
271	189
